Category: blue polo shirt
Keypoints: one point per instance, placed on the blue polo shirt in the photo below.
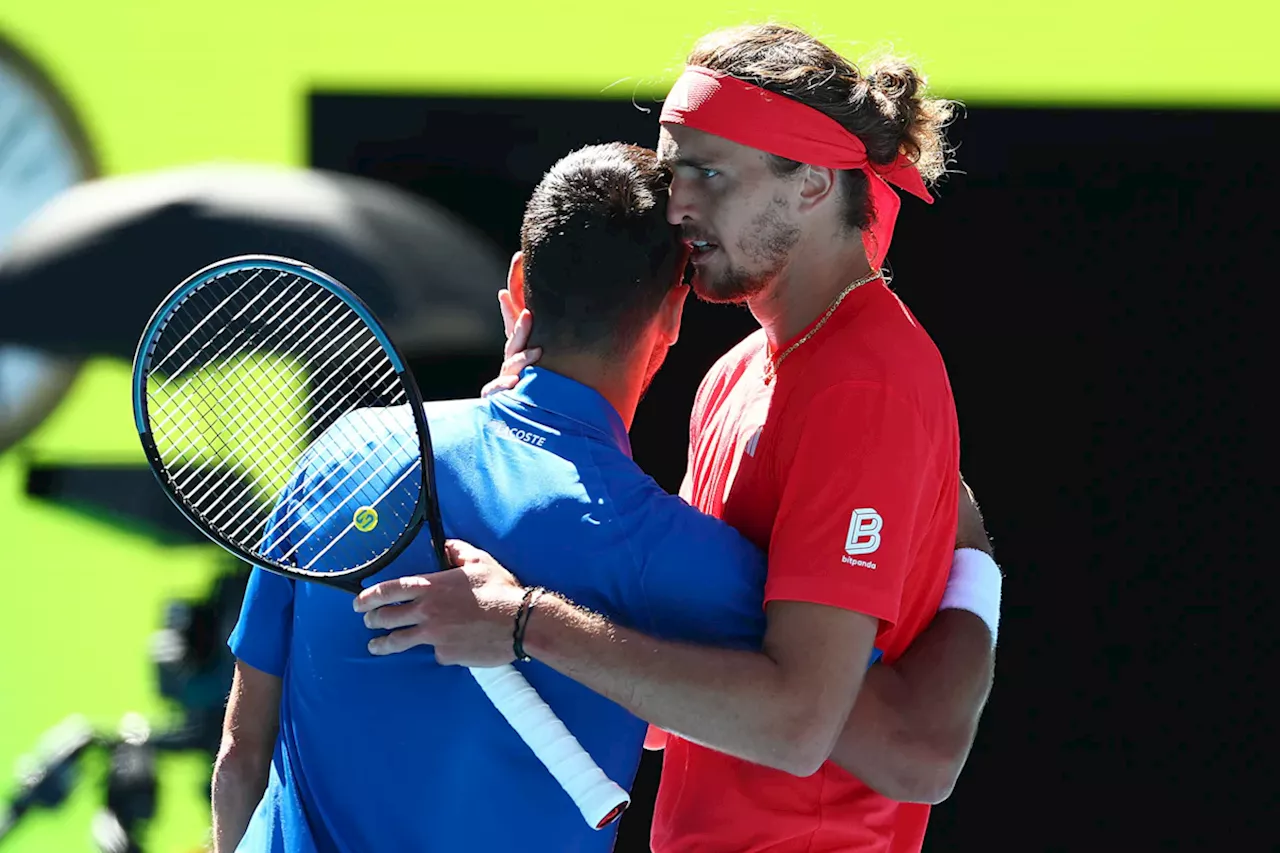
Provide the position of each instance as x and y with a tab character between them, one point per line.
400	753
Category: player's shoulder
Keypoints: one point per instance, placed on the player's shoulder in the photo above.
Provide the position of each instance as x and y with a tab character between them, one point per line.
452	414
668	525
883	344
459	427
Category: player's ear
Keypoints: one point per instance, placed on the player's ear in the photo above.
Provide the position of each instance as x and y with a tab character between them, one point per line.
817	184
671	312
515	281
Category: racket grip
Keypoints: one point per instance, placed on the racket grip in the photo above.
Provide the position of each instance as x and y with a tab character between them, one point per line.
598	797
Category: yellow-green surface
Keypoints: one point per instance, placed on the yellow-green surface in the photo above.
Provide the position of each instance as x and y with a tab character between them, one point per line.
189	422
81	602
161	83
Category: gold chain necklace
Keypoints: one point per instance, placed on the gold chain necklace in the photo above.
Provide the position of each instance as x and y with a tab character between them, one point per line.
772	364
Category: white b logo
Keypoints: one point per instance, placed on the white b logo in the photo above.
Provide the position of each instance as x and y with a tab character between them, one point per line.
864	532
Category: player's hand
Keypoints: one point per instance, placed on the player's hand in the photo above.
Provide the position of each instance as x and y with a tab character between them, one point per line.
516	356
970	530
466	612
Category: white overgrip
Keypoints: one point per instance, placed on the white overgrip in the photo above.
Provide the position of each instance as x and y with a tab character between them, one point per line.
597	796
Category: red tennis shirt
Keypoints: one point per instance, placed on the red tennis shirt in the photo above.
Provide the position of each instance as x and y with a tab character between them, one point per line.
845	469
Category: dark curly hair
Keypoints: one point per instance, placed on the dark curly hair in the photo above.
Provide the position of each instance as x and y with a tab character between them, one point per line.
599	255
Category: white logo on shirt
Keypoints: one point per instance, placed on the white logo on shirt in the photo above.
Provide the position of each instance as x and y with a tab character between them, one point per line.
750	449
502	430
864	532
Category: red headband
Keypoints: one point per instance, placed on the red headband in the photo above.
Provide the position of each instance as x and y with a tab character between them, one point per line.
740	112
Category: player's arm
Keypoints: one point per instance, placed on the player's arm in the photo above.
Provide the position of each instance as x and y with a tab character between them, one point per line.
782	707
260	643
914	722
240	771
912	726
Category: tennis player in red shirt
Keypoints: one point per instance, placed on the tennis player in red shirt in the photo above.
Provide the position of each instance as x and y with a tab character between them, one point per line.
829	438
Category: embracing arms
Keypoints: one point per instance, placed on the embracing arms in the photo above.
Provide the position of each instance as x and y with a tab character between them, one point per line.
905	729
914	722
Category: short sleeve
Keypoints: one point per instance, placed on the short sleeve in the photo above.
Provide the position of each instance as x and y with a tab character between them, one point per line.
844	532
261	636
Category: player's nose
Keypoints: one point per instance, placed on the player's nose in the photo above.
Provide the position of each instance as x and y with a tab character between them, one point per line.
680	203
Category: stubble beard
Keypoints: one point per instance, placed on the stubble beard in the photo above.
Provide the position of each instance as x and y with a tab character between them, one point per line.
766	246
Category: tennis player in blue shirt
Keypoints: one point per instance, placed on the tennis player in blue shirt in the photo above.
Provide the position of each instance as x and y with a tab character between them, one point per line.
542	473
327	747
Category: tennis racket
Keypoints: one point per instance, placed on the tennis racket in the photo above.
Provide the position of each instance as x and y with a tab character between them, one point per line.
282	421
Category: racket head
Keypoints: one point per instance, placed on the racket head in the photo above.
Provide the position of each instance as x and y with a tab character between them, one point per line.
264	385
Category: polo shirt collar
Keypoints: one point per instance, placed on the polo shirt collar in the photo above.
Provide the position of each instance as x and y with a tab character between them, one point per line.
554	392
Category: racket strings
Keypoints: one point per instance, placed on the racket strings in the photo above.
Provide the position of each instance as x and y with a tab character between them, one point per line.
332	337
314	497
271	542
235	321
401	517
377	501
241	439
297	409
248	503
401	513
199	406
161	409
189	411
265	365
342	404
335	304
209	316
203	407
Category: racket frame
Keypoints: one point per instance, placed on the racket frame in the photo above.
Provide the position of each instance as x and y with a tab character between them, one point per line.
428	506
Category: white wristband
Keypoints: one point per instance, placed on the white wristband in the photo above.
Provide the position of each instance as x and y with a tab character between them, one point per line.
974	585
